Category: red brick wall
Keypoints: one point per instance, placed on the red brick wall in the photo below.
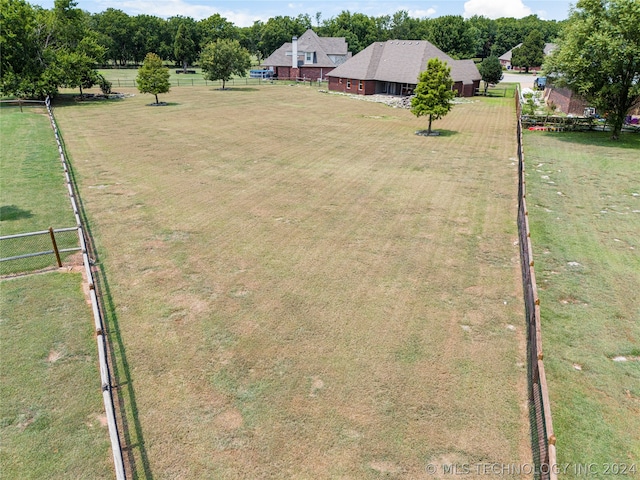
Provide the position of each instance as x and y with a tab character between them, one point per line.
313	73
309	73
369	87
340	85
283	72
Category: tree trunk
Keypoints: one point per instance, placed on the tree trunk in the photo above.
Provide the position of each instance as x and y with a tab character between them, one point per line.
223	84
184	66
430	119
157	98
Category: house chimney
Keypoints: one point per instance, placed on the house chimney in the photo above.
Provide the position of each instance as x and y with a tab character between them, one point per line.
294	52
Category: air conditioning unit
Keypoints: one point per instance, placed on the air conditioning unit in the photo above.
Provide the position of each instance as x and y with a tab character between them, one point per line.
589	112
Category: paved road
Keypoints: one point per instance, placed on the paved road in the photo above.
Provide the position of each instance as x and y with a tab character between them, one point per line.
525	79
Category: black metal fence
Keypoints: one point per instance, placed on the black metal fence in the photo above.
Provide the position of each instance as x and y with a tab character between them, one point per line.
26	252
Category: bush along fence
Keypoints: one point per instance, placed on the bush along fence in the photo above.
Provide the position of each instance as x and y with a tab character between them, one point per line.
105	372
37	250
542	437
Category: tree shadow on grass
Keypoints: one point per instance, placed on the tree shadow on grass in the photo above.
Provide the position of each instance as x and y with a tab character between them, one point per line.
599	138
72	100
11	212
436	132
163	104
236	89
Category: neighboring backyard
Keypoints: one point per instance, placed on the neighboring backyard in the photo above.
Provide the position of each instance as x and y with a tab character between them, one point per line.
51	413
584	213
300	287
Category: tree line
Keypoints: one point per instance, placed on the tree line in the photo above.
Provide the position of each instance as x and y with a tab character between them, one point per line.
61	47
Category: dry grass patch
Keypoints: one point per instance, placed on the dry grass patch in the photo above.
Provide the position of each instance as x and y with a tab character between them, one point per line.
291	271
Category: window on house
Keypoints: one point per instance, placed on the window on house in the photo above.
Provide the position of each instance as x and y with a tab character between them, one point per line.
360	85
309	57
348	83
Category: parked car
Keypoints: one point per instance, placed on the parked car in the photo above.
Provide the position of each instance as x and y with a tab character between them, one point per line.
539	83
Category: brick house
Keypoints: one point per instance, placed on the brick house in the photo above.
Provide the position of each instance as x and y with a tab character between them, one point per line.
310	57
393	67
505	58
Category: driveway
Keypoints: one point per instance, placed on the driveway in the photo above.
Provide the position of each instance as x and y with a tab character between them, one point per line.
525	79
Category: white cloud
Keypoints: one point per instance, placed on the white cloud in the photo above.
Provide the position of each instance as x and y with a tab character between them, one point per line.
172	8
418	13
496	8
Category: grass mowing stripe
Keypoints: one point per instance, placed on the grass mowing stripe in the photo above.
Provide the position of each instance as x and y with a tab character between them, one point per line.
299	272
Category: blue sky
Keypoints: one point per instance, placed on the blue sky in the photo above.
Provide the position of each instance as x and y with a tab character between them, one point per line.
244	13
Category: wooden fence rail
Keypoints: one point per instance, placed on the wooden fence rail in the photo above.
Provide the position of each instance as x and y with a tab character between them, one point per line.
542	437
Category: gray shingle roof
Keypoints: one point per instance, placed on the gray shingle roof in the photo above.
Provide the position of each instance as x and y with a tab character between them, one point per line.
548	48
309	42
401	61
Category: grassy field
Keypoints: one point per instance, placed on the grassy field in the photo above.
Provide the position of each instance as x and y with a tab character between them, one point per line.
584	212
300	287
51	410
126	77
52	421
33	196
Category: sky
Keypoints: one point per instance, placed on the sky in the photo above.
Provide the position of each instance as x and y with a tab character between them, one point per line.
243	12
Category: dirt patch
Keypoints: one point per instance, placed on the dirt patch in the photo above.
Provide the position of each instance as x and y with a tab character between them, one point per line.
54	356
229	419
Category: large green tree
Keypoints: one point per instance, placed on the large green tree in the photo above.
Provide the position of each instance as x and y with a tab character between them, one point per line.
451	34
153	76
185	49
21	68
598	56
434	93
223	59
530	53
45	49
215	27
490	71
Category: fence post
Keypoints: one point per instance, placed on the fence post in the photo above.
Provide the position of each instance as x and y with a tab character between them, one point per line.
55	247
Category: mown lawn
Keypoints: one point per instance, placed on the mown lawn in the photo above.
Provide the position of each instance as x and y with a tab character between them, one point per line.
302	287
51	409
33	196
584	212
52	422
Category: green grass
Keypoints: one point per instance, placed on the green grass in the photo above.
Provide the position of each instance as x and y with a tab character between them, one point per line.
302	287
125	77
33	196
584	207
51	411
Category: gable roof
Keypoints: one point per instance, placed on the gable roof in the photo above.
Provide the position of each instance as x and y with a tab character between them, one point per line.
548	48
309	41
401	61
